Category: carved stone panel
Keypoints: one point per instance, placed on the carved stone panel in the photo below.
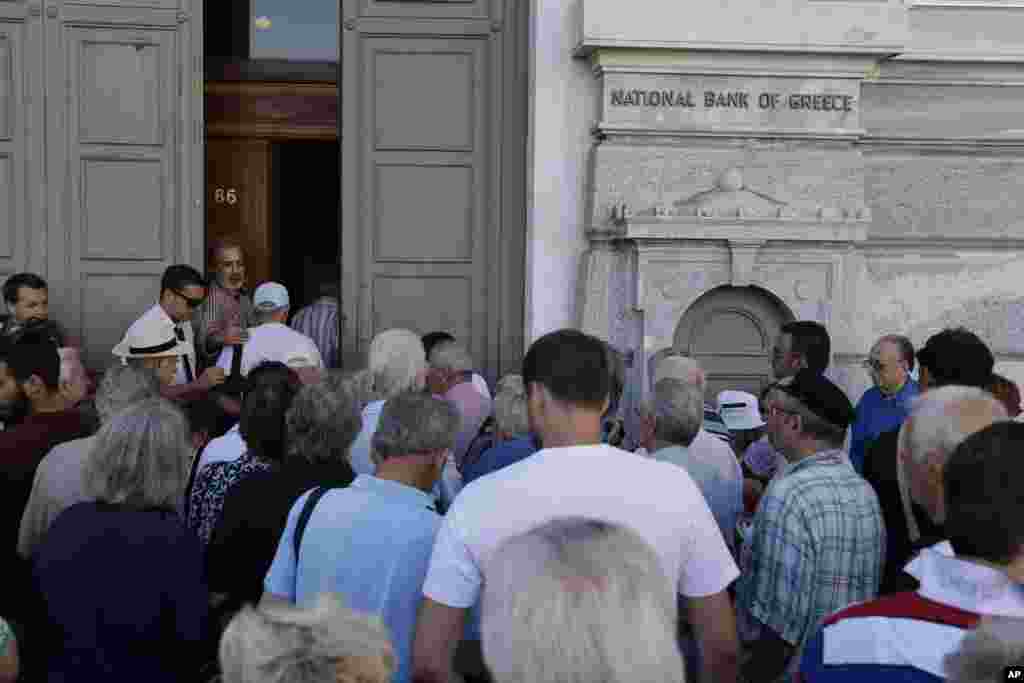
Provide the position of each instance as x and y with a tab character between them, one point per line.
119	90
6	86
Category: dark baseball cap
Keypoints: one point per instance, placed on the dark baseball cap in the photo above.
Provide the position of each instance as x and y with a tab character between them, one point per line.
821	396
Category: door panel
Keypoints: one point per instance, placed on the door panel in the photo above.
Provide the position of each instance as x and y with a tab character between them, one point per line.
419	183
238	199
731	331
121	127
20	139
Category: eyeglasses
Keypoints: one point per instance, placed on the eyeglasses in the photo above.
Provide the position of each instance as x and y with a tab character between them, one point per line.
192	303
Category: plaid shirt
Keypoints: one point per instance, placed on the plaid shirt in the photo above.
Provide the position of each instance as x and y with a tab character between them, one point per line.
220	305
817	546
319	322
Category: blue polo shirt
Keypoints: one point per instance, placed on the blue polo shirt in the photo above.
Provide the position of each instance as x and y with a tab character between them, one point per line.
371	543
877	413
500	455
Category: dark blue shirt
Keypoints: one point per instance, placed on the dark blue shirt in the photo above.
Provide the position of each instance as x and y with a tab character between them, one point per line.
500	455
124	594
877	413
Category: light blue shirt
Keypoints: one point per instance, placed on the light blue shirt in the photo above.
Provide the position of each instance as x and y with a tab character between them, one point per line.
719	477
359	454
370	543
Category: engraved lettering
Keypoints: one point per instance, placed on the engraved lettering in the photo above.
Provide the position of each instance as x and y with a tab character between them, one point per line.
617	97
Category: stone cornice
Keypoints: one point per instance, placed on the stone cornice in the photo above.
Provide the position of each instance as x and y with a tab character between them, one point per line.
1009	144
877	50
603	129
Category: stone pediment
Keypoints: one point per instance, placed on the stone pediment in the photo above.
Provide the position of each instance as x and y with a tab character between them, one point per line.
733	201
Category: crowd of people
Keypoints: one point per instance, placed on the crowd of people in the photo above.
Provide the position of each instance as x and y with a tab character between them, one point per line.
225	503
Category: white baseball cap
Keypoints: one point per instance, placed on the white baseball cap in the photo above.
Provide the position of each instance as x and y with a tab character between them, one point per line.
270	296
739	410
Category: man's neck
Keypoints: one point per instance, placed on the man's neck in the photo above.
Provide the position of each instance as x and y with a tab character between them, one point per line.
802	452
168	314
572	435
405	475
49	405
888	393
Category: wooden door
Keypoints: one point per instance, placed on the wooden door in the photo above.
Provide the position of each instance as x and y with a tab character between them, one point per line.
124	122
422	222
731	331
239	198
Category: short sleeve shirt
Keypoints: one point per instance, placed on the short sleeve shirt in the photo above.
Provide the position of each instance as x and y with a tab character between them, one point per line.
657	500
274	342
369	542
816	546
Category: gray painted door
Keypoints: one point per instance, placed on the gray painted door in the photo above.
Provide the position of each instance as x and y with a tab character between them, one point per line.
730	331
21	137
422	132
124	159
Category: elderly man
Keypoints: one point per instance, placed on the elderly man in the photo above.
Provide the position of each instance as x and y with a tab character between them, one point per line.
886	404
818	538
977	573
383	526
58	479
950	357
319	322
223	317
321	424
802	344
27	298
575	475
182	291
272	339
671	421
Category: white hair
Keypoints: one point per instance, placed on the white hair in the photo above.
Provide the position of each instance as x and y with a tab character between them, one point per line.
577	601
396	363
510	411
677	408
326	643
123	385
996	643
682	368
939	418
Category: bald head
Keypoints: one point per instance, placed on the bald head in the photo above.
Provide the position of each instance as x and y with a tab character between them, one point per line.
939	420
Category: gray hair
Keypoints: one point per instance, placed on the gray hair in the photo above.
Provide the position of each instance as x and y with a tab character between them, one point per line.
994	644
510	412
577	601
451	356
941	418
140	457
678	410
396	363
261	316
682	368
323	420
123	385
325	643
414	423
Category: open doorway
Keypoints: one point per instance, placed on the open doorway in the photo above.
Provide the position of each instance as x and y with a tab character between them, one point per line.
305	217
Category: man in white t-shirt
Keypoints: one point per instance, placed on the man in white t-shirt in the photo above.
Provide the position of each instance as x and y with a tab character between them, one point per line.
272	339
575	475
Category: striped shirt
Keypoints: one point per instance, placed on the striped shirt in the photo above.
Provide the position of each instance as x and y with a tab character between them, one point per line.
226	307
816	546
319	322
905	636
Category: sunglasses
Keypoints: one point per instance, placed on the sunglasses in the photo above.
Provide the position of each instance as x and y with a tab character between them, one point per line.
192	303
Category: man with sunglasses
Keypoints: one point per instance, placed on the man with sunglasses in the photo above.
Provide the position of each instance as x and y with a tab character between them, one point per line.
818	537
182	291
885	405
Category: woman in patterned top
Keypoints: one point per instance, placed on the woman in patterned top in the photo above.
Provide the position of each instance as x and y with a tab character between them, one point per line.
272	386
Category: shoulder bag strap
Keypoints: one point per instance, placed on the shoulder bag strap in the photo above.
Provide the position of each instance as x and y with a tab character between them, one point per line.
307	512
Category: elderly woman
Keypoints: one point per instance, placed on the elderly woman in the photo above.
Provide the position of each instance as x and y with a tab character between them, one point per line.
272	386
321	425
511	440
325	643
398	363
579	600
121	578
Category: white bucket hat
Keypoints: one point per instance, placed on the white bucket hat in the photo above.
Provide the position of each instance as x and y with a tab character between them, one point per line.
150	338
739	410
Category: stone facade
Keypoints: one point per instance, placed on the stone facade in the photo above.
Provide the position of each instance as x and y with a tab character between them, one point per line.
870	180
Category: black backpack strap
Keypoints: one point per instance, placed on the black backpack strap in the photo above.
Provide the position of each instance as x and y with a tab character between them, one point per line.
307	512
